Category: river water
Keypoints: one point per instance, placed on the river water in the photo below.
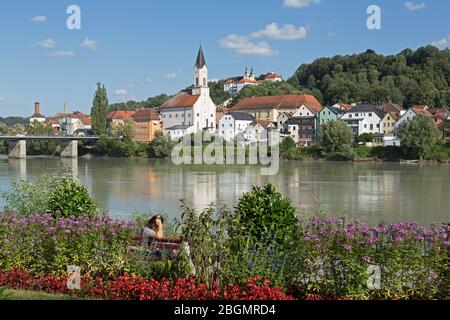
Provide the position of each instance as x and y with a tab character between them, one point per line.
371	191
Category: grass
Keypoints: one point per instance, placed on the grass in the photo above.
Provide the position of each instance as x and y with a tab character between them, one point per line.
12	294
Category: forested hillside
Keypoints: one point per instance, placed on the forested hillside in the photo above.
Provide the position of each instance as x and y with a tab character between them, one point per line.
409	78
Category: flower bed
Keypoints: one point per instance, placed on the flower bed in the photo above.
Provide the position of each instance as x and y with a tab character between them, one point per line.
137	288
41	243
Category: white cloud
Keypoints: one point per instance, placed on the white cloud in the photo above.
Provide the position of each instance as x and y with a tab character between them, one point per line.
148	80
299	3
443	43
47	43
39	19
172	75
121	93
415	6
244	45
89	43
287	32
62	54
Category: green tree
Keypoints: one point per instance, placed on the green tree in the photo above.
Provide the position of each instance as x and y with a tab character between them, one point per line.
410	77
41	147
161	146
335	134
419	136
99	111
365	138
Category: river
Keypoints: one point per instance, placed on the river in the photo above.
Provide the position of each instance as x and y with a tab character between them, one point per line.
371	191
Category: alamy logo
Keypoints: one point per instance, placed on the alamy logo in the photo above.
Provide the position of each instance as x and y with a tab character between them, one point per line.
74	278
208	148
73	22
374	20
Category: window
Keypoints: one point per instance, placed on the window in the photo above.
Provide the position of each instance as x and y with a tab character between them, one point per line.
196	81
371	127
370	114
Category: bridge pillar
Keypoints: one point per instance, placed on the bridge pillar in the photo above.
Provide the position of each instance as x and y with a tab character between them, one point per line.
17	149
69	149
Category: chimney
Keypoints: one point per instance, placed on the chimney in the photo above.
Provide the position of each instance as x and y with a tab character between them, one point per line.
65	108
37	108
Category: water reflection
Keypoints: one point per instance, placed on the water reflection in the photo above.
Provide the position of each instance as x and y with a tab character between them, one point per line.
370	191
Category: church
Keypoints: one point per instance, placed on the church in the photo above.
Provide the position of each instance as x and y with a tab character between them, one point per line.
191	110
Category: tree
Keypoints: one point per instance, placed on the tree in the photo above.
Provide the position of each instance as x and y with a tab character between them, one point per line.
99	111
365	138
419	136
161	146
40	147
335	134
411	77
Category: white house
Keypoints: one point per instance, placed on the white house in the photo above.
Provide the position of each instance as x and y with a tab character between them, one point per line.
191	110
282	120
272	77
391	140
37	117
258	130
411	114
73	122
364	119
233	124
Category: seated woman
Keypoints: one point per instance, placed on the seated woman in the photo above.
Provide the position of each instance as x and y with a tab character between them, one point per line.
154	229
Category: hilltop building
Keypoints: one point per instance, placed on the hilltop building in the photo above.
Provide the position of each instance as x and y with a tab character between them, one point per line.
234	85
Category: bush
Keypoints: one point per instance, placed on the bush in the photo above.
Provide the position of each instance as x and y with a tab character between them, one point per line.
362	152
161	146
343	153
49	193
390	153
71	199
265	215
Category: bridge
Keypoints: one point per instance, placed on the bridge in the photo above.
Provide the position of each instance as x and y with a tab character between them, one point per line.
17	145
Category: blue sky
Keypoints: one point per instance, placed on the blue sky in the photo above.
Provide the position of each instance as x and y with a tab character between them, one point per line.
142	48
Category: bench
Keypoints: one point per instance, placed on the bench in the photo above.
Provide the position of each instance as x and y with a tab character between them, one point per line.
154	248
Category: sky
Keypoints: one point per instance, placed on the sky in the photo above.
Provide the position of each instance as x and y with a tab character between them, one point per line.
141	48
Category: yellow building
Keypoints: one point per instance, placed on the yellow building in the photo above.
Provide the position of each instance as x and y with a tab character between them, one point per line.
146	124
270	107
387	124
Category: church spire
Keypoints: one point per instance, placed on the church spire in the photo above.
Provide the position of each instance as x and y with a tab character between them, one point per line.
200	63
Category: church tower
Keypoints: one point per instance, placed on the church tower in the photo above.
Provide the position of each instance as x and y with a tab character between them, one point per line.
200	75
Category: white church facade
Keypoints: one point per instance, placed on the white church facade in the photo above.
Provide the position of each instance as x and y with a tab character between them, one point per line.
191	110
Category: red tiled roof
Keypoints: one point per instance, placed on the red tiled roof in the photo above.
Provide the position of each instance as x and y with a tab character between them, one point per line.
182	100
52	120
263	123
120	114
422	111
272	76
145	115
278	102
392	107
80	115
247	80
